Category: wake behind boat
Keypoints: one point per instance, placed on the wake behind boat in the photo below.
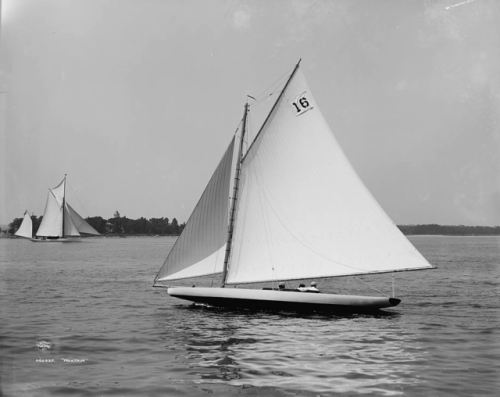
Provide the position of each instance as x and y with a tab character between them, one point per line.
60	222
298	211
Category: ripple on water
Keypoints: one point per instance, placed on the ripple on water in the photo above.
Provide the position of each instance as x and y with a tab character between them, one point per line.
133	340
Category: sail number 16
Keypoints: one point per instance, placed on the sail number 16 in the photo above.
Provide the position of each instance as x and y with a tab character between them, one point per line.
301	104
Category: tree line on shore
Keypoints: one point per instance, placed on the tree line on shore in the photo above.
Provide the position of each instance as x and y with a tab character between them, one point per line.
444	230
118	225
163	226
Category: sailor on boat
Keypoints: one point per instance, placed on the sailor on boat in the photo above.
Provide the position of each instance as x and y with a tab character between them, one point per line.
312	288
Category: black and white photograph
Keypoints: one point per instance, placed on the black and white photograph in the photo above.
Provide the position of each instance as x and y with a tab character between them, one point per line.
248	198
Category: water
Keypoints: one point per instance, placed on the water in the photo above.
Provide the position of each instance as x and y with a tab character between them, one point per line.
83	320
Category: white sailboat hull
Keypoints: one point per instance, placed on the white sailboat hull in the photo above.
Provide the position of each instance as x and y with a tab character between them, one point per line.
281	300
58	240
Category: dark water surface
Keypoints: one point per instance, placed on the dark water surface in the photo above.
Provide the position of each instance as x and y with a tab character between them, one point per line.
83	320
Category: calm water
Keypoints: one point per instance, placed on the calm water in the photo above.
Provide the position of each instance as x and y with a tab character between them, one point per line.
83	320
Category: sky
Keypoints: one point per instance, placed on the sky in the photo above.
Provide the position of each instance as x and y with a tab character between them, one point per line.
136	100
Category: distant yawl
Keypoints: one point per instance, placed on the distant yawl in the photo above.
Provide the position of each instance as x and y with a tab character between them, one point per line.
298	211
60	223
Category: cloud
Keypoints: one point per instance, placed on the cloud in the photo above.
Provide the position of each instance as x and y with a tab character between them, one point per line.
308	17
403	85
241	18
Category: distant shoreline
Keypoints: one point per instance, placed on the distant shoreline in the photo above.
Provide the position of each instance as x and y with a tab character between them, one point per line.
407	230
8	236
447	230
452	235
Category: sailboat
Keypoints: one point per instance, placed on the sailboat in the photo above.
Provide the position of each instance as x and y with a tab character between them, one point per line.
60	222
298	211
26	228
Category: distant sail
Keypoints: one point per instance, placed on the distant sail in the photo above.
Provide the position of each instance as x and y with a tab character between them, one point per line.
200	248
26	228
57	209
51	225
81	225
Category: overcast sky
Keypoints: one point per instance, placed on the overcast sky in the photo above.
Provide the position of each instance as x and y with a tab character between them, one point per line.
136	100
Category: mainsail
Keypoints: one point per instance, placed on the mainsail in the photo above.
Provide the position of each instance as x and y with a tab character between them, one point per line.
59	219
301	212
26	228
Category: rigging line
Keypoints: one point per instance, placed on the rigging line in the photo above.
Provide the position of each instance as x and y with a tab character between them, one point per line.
77	199
233	207
240	215
259	101
278	88
273	88
249	131
414	280
370	286
222	232
271	112
276	82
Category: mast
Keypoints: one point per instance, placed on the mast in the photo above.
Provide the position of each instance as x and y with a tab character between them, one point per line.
239	161
63	204
235	194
